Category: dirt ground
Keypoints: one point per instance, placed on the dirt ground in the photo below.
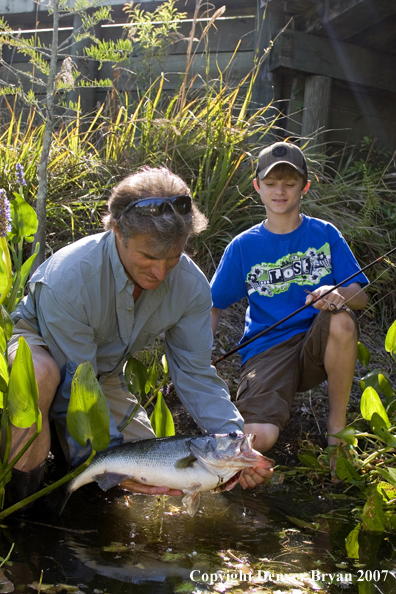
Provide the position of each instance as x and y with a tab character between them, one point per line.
309	412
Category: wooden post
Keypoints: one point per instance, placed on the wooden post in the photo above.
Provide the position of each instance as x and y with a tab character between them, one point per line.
269	21
315	119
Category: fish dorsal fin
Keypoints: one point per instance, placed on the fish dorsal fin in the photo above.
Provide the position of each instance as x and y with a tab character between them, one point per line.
185	462
191	502
110	479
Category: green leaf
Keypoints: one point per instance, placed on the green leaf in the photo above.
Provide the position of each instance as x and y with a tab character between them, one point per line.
363	354
390	340
346	471
309	460
6	322
161	418
24	219
22	389
165	364
373	513
370	404
3	341
352	543
303	524
387	491
385	386
27	265
88	414
389	475
370	380
3	273
348	435
135	367
379	427
4	373
152	376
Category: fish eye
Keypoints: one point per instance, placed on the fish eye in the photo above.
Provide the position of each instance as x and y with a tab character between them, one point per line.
233	435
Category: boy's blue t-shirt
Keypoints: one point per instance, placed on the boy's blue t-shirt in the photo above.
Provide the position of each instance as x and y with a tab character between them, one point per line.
274	271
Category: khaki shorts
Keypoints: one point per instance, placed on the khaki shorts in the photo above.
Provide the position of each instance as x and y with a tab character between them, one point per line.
121	402
270	379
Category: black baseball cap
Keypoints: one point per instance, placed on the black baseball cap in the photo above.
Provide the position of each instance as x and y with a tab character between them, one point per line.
280	152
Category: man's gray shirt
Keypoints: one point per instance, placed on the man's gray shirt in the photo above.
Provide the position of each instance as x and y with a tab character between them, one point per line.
80	301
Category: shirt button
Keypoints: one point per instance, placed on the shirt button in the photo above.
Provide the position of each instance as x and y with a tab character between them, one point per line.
129	308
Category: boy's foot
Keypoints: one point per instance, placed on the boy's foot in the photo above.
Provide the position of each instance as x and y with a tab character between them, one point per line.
23	484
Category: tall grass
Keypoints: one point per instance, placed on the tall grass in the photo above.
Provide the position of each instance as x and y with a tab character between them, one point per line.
211	138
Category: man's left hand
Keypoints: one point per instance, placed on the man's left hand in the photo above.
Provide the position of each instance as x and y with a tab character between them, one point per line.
251	477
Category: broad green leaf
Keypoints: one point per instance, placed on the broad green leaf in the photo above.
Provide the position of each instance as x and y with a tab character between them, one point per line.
389	475
27	265
152	376
22	389
161	418
309	460
373	513
370	380
363	354
370	404
88	414
379	427
135	367
3	341
3	273
352	543
385	386
6	322
24	219
4	373
390	340
346	471
387	491
348	435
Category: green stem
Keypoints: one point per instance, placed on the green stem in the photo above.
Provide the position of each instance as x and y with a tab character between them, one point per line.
19	455
155	393
133	413
46	490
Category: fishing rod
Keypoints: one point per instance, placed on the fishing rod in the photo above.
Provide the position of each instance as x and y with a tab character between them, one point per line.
294	313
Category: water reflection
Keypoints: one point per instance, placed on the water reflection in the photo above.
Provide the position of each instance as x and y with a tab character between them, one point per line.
107	543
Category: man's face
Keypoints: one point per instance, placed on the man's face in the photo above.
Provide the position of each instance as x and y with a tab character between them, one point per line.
143	264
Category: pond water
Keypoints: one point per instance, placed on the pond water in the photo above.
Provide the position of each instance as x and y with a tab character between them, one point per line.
241	541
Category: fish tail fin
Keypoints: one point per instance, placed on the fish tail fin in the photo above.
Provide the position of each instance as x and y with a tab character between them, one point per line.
191	502
60	497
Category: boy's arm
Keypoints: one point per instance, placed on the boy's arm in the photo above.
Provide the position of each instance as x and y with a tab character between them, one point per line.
216	315
353	296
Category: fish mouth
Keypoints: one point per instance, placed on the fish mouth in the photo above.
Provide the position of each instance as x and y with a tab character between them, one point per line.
248	454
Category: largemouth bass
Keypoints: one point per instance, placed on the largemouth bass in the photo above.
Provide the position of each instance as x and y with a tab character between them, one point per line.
190	463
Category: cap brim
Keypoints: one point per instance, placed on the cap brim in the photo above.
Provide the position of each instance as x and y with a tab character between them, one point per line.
261	174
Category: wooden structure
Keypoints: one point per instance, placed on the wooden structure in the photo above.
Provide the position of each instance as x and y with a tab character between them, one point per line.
331	65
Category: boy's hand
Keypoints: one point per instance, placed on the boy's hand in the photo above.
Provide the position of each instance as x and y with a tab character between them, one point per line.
332	301
251	477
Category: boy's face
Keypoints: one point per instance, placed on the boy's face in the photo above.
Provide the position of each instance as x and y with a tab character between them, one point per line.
281	196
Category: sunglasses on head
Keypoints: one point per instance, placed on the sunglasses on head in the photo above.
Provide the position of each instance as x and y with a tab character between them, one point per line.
155	207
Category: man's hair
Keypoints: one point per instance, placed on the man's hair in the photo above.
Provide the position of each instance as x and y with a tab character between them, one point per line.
166	231
284	170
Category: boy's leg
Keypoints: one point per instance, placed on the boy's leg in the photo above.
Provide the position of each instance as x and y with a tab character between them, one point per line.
339	361
266	435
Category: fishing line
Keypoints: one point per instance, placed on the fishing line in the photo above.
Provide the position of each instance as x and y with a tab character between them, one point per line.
305	306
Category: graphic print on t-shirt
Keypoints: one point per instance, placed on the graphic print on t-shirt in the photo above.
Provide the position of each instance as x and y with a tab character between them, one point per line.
301	268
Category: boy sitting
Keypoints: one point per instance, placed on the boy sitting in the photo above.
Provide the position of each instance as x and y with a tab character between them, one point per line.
280	264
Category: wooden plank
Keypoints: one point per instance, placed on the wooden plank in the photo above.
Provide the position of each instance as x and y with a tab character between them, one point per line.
343	19
316	55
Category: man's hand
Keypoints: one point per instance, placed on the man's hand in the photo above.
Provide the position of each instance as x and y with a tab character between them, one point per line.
135	487
332	301
251	477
